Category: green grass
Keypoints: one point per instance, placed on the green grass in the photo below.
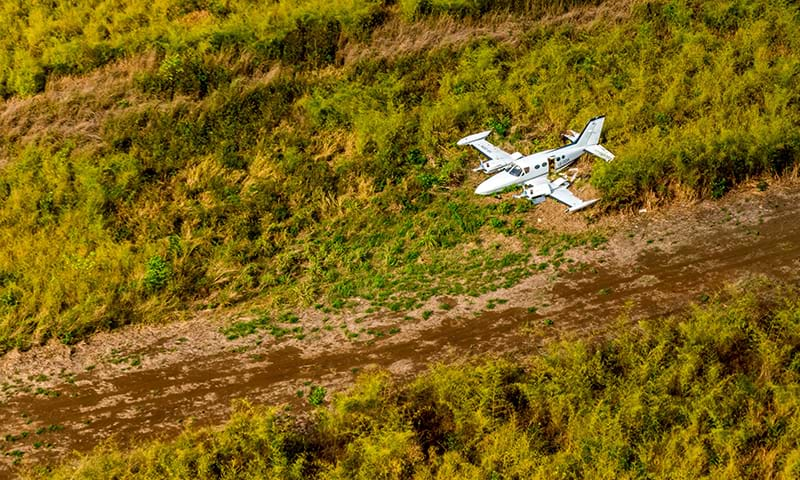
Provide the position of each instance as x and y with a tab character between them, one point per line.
710	393
253	158
243	328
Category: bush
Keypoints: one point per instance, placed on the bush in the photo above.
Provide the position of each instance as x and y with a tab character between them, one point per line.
317	396
157	274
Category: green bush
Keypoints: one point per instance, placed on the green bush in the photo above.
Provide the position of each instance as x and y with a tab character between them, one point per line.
50	39
157	274
317	396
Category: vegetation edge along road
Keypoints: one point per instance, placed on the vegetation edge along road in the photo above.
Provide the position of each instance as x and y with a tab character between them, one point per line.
713	392
194	156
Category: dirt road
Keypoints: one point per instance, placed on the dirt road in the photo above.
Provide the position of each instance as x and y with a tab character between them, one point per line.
148	381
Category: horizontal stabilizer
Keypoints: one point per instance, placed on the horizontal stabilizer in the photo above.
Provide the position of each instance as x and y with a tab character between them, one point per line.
571	135
599	151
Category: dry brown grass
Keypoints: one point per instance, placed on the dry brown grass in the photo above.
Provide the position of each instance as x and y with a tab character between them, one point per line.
399	37
794	173
73	107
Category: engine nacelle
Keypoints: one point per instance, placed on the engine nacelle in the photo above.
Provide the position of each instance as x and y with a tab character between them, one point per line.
535	200
536	194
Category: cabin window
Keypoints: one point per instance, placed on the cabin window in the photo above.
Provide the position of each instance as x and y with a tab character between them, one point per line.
515	170
537	167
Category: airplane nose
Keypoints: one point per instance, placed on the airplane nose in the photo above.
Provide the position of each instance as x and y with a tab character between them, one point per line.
483	189
493	184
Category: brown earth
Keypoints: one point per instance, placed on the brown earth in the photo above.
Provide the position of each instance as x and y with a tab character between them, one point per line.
146	382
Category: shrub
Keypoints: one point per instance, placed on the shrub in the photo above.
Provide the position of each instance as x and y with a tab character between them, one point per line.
317	396
157	274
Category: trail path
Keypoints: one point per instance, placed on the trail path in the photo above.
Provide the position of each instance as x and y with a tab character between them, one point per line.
147	382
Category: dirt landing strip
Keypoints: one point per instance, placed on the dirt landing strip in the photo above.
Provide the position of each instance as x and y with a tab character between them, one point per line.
148	381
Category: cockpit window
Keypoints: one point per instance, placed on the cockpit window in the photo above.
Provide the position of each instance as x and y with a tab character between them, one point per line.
515	170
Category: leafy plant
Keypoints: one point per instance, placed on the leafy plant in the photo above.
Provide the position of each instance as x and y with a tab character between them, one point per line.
316	396
157	274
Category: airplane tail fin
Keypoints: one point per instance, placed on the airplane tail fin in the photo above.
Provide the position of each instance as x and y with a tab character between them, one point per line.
591	132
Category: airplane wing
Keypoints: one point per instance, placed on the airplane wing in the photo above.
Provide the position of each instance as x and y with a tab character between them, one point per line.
557	189
599	151
567	198
498	158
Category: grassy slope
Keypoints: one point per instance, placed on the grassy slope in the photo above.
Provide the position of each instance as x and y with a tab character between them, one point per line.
236	151
712	394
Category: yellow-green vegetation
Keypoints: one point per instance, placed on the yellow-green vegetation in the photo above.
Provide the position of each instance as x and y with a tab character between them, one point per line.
51	38
714	393
256	153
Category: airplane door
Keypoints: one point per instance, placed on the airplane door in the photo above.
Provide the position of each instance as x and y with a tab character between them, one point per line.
551	163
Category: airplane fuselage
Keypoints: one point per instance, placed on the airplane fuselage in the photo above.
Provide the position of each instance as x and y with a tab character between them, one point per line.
531	168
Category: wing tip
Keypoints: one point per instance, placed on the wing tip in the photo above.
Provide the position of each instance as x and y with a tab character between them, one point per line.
473	138
583	205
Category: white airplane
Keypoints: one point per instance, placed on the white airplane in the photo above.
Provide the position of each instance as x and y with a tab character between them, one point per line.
532	171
